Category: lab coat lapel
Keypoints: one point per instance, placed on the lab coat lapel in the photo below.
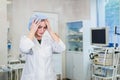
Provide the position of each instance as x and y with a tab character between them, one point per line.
36	42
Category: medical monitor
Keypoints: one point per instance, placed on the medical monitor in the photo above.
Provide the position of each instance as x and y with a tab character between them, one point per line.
99	36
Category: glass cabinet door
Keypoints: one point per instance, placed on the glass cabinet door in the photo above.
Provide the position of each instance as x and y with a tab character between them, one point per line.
74	36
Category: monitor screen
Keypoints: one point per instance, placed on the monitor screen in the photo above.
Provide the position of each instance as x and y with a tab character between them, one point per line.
99	36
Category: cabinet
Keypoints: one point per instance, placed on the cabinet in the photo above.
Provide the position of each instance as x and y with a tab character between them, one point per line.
74	36
74	62
105	64
57	60
74	43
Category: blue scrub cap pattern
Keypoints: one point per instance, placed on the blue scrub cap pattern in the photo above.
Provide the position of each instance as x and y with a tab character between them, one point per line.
38	16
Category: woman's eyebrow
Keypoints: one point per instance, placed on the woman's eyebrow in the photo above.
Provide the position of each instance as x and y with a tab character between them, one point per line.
42	26
39	26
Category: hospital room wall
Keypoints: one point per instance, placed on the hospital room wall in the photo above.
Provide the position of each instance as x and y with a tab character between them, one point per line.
3	32
67	10
62	8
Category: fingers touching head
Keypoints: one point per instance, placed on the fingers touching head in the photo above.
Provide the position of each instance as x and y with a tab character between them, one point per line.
36	17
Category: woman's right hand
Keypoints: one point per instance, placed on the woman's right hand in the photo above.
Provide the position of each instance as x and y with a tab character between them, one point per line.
34	25
33	28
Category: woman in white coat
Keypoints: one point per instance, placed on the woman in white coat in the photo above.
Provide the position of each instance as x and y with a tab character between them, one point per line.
39	48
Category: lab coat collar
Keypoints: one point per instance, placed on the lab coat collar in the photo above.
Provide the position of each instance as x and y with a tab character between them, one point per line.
36	41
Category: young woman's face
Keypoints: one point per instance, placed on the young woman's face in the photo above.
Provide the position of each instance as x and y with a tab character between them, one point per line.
41	29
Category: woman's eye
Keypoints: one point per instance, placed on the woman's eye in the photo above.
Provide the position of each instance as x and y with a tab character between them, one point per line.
39	27
45	27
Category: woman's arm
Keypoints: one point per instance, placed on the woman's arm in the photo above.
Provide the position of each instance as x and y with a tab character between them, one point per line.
57	45
33	29
52	34
26	44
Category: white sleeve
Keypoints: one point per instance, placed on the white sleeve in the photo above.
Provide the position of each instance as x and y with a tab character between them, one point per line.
58	46
26	44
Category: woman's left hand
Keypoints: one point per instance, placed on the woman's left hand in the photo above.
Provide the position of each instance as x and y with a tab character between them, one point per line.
53	35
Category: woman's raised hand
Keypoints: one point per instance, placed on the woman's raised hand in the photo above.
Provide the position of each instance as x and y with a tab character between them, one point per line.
33	28
35	25
48	25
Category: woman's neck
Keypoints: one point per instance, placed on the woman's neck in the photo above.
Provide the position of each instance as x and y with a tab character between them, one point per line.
38	37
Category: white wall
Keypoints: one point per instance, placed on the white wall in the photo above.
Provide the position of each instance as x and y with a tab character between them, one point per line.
3	32
67	10
86	38
61	7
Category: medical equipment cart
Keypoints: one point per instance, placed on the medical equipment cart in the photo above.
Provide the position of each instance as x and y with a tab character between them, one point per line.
105	64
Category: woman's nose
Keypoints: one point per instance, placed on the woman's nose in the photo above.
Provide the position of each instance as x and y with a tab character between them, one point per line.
42	30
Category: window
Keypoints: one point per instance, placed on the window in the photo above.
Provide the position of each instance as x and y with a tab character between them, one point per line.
110	10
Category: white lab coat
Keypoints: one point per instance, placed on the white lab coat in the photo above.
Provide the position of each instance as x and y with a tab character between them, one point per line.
39	65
